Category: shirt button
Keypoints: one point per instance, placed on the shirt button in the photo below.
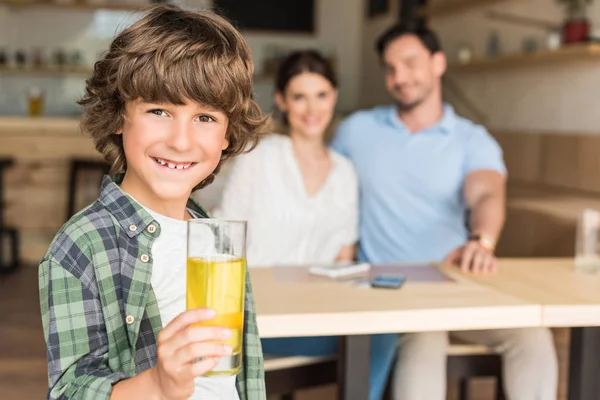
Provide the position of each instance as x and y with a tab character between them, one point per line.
132	228
130	320
151	228
144	258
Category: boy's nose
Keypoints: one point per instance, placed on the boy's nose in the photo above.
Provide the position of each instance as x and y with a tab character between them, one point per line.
180	138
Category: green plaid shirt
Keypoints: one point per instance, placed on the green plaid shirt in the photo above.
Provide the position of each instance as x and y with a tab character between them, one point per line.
92	279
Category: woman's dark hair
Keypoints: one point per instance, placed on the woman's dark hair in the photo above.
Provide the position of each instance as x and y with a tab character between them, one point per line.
299	62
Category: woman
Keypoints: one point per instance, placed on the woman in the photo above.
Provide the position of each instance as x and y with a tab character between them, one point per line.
301	199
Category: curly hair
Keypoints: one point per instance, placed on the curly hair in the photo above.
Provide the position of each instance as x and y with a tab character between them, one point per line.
172	55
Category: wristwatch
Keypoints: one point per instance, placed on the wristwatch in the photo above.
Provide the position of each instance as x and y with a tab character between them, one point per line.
485	241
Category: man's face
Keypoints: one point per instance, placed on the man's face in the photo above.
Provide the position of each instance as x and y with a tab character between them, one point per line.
412	73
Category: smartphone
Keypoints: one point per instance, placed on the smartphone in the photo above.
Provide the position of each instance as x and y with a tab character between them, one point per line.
388	281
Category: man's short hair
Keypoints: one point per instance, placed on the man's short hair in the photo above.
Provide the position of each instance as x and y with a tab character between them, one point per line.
425	35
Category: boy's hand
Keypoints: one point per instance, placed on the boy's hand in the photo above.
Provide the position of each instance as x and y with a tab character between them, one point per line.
179	344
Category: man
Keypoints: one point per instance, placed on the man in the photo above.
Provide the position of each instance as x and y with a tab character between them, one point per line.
421	167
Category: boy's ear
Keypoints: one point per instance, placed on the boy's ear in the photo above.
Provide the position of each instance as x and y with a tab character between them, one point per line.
226	138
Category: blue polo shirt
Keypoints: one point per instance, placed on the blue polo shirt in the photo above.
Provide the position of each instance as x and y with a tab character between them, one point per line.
412	206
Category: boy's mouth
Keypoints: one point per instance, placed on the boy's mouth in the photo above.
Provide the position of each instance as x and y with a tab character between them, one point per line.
174	164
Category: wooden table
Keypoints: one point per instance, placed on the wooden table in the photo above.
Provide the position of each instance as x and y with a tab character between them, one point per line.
329	308
324	308
567	299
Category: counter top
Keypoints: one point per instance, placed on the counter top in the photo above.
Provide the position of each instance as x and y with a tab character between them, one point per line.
37	125
44	138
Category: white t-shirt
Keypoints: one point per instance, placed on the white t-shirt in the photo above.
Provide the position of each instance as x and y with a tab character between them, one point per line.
286	225
169	285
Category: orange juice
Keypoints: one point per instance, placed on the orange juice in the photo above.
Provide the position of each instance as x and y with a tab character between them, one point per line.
219	282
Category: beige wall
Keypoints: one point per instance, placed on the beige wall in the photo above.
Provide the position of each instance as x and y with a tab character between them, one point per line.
339	28
372	82
557	97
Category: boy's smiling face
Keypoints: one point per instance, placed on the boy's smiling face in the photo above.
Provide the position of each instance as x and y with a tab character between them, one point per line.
169	150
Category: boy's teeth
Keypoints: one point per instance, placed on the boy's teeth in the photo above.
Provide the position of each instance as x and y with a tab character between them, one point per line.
171	165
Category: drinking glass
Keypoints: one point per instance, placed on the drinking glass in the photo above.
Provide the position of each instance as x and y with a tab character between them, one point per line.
216	278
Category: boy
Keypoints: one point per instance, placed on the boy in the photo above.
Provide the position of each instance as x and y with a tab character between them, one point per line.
170	101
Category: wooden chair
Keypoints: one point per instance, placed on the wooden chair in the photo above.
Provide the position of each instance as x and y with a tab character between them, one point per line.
287	374
8	262
467	361
76	167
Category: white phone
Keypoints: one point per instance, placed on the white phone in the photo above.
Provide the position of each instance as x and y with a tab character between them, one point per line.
339	269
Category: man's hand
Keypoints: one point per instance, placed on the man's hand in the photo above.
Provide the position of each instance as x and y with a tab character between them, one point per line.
473	257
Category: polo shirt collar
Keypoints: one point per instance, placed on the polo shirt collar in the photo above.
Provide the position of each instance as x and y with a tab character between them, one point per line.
445	125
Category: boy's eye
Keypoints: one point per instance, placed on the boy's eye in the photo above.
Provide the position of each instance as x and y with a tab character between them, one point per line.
158	111
205	118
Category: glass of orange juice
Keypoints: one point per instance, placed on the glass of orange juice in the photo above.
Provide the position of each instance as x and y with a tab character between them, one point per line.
216	278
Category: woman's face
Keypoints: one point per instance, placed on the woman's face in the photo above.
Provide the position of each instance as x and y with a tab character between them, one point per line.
309	101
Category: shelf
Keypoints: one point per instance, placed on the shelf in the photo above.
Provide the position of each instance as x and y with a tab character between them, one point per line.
564	54
58	71
74	4
441	7
84	71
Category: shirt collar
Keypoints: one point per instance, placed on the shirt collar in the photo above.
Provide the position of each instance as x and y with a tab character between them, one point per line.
444	125
127	211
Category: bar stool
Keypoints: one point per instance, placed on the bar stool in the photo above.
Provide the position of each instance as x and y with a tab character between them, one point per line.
8	262
76	167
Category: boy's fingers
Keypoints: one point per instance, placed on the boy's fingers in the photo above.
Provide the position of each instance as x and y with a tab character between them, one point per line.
200	368
195	334
184	320
196	350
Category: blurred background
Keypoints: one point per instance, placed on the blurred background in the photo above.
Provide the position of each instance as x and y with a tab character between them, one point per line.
524	69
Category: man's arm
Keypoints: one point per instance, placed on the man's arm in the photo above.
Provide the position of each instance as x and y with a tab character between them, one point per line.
485	197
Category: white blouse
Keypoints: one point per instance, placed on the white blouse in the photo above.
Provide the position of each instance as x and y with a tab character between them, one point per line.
285	224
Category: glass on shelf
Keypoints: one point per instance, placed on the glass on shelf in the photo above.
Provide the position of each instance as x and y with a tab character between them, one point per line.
587	242
35	101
